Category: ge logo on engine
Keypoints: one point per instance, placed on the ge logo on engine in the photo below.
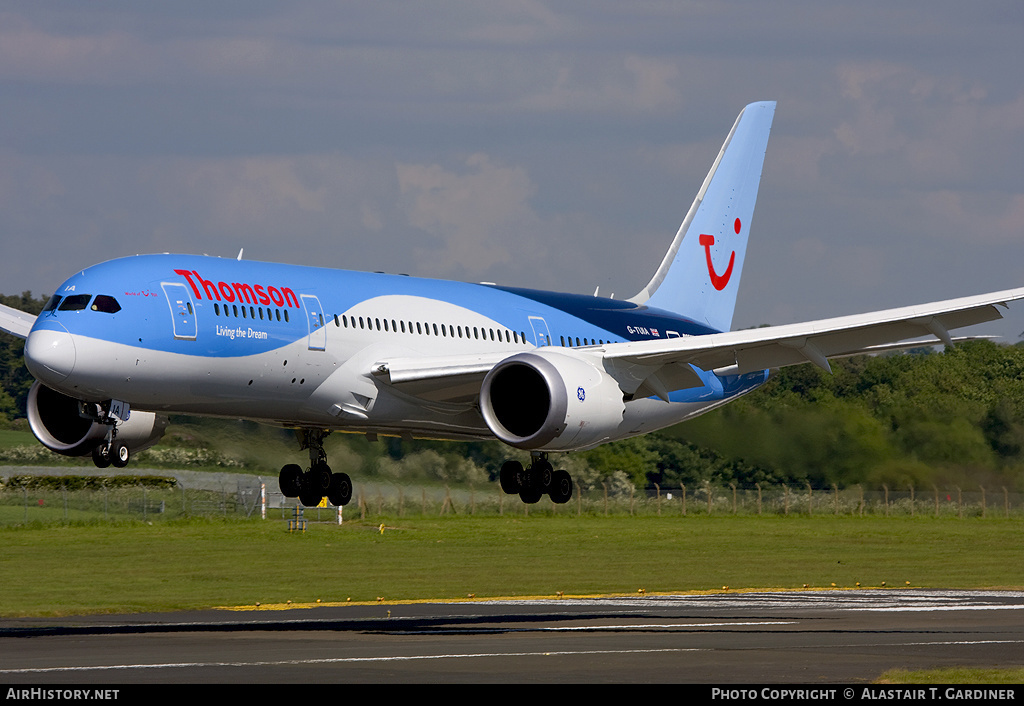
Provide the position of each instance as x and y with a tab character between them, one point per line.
580	394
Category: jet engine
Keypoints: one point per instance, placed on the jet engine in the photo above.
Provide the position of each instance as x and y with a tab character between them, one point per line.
57	421
551	399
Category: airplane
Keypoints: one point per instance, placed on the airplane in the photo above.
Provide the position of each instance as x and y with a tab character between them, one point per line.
123	343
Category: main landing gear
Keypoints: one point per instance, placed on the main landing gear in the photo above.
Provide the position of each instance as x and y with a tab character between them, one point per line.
537	480
313	485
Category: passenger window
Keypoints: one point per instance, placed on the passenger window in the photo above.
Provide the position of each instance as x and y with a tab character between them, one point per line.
108	305
75	302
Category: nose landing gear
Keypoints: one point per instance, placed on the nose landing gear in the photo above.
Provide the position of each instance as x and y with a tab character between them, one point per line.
311	486
539	479
110	451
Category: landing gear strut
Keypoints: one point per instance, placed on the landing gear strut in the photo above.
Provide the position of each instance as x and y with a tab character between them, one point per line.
318	481
539	479
109	451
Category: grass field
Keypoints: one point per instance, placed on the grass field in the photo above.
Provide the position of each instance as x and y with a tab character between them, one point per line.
69	569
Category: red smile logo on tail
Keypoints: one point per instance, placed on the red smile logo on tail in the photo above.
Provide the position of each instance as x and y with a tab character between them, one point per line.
718	281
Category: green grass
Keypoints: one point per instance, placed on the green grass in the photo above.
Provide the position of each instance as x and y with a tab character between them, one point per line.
953	675
174	565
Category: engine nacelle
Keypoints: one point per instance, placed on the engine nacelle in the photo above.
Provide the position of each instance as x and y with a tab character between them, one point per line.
55	420
551	399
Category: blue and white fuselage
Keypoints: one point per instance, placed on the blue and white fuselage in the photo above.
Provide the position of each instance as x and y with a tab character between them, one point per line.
125	342
300	346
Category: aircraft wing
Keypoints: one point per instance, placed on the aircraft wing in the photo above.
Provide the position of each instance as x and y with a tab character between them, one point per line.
15	321
659	366
739	352
444	379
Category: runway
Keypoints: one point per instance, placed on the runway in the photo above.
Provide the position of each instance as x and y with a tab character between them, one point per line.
809	637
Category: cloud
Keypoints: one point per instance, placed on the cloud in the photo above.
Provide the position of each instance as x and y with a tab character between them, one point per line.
476	215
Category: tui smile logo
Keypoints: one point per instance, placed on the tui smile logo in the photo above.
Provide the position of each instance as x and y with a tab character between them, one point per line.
718	281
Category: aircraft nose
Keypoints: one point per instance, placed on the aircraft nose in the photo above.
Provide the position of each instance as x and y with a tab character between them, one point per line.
50	354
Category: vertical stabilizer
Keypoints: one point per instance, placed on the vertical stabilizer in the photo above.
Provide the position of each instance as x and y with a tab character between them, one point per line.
700	274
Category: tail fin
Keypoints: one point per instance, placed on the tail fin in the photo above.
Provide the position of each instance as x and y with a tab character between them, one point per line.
700	275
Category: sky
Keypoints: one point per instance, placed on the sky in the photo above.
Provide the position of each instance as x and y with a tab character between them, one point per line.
553	145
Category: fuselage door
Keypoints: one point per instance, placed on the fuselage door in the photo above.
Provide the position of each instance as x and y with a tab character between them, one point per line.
541	334
315	321
183	313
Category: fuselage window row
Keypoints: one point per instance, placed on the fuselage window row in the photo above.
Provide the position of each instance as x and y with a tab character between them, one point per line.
446	330
424	328
233	310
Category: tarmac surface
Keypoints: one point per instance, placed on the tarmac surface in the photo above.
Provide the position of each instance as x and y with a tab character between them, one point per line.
806	637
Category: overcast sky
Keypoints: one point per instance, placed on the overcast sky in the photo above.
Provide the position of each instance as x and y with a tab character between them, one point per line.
554	145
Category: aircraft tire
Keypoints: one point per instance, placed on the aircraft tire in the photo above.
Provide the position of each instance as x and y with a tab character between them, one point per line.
120	455
100	457
530	496
290	480
542	475
310	494
340	492
310	498
561	487
511	472
321	475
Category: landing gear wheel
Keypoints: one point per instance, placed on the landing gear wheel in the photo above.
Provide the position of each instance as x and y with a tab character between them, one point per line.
120	455
530	495
340	491
561	487
511	472
310	494
101	456
321	475
542	475
290	480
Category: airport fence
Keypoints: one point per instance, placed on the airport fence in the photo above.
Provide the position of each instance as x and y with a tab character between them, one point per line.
24	501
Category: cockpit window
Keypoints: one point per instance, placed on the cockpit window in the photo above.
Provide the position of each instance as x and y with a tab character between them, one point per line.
106	304
52	304
75	302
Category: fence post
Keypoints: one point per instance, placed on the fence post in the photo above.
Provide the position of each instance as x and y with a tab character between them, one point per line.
758	498
886	489
835	499
810	506
733	486
683	486
911	499
936	499
658	490
982	501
